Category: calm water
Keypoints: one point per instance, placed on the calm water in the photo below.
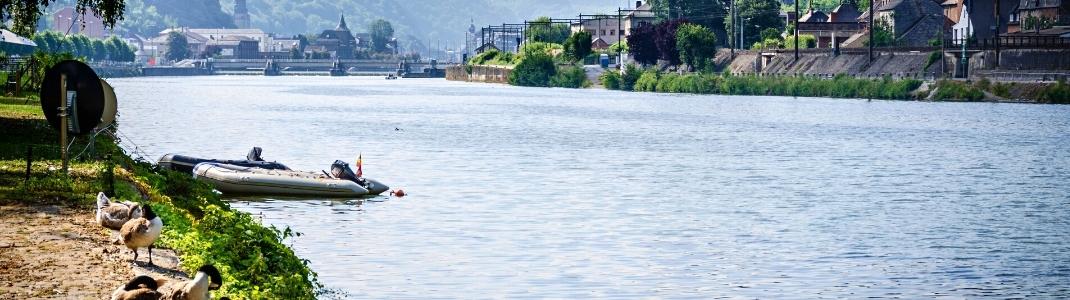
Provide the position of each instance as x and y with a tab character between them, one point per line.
536	193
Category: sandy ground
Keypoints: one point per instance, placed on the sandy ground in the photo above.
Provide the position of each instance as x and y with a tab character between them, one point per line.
56	252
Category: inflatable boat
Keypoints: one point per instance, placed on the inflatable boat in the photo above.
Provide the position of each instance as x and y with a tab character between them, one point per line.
340	182
185	164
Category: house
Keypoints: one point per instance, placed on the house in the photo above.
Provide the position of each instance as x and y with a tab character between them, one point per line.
913	23
339	42
1038	14
603	28
231	47
642	14
263	39
194	42
976	18
67	20
834	28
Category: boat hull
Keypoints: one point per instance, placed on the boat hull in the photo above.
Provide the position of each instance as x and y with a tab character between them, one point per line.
185	164
231	179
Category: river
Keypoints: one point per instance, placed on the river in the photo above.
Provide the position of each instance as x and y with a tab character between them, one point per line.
560	193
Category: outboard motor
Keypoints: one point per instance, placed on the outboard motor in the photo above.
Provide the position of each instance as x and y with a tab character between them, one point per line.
340	169
254	155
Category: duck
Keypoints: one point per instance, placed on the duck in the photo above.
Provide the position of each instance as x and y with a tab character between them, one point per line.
142	232
142	287
207	279
112	215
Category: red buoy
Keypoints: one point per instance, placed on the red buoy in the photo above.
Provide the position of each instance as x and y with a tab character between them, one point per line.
398	193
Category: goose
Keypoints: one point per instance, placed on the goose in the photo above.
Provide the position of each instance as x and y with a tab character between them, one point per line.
140	288
112	215
207	279
142	232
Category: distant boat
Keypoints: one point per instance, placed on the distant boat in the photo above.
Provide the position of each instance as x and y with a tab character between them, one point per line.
391	77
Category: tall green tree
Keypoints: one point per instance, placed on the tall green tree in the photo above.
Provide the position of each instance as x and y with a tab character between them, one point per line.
708	13
382	32
177	47
696	43
754	16
578	45
543	30
24	14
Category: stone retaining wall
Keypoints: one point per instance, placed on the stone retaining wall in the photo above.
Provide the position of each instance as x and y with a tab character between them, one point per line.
492	74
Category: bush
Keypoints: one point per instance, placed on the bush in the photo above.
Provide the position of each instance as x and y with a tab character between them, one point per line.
958	91
610	80
631	75
933	58
1058	93
570	77
533	70
647	82
532	48
493	57
806	41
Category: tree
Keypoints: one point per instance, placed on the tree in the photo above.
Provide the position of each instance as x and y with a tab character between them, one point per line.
755	16
24	14
177	46
882	34
382	32
543	30
665	38
578	45
708	13
641	44
100	51
696	43
533	70
146	20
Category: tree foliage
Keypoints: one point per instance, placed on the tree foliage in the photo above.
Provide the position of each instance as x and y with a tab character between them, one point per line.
543	30
145	20
755	16
697	44
533	70
708	13
382	32
882	34
665	39
578	45
24	14
641	44
177	47
113	48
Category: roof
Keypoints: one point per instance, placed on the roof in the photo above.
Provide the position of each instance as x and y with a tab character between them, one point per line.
844	13
814	16
224	31
342	23
1038	4
599	43
9	37
644	11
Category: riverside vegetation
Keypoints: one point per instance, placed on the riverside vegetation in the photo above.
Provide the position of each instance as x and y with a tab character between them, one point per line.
200	227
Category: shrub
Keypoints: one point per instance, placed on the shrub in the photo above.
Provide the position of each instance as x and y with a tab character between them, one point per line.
610	80
570	77
578	46
631	75
933	58
533	70
532	48
806	41
647	82
954	90
493	57
1058	93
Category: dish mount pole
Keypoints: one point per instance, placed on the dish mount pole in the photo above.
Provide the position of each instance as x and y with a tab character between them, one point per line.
63	119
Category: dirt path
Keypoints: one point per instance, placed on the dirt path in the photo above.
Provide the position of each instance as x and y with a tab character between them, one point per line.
56	252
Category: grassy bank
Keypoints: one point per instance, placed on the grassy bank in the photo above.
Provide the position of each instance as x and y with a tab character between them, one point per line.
839	87
198	225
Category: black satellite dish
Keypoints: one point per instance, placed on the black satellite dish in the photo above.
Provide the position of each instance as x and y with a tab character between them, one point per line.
88	107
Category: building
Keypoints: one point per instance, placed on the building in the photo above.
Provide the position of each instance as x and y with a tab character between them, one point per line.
1039	14
913	23
13	44
642	14
339	42
231	47
601	28
977	19
241	14
66	20
263	39
833	28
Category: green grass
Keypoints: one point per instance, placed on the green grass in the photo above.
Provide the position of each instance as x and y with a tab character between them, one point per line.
198	225
838	87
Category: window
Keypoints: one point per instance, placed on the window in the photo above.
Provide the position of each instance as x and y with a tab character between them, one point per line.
612	32
602	32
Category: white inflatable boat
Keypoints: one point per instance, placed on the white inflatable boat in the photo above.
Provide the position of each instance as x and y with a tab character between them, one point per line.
231	179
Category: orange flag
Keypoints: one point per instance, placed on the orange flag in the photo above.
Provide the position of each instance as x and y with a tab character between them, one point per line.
360	171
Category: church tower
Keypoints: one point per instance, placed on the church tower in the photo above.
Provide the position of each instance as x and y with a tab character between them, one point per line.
241	14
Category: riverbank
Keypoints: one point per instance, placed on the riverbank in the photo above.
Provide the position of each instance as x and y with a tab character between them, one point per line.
57	212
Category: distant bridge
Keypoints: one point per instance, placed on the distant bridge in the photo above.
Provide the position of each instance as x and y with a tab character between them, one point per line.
288	67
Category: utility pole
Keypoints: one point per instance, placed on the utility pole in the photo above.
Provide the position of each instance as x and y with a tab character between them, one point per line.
997	12
966	39
734	28
872	28
797	29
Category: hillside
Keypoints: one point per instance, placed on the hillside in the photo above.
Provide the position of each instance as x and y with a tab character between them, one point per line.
422	19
